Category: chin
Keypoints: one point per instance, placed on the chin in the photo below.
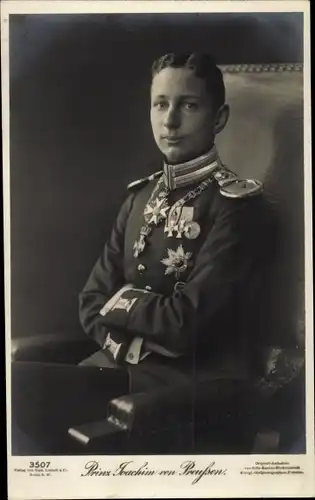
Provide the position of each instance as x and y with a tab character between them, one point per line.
175	157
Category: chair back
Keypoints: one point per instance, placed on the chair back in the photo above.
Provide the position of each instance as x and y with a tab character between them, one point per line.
264	140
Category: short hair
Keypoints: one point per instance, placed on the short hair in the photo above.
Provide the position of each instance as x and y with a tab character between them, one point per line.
203	66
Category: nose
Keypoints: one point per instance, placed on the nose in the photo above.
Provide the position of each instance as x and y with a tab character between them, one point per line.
172	118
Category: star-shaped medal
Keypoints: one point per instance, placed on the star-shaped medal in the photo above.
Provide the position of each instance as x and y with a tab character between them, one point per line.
177	261
156	211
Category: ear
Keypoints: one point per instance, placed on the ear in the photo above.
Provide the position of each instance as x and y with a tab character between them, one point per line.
221	119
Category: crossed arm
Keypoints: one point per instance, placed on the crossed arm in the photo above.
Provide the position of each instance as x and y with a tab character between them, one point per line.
225	259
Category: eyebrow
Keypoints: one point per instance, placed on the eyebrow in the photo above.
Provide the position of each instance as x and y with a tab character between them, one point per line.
184	96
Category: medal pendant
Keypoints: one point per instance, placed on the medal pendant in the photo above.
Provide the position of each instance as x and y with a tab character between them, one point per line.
191	230
179	233
144	232
180	227
139	246
173	225
169	230
156	211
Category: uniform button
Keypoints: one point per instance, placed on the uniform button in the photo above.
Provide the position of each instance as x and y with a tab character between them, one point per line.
149	288
141	268
178	285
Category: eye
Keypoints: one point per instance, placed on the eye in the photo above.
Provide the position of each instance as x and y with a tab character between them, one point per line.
191	106
160	105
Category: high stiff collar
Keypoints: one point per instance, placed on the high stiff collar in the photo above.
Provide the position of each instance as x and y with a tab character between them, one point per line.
192	171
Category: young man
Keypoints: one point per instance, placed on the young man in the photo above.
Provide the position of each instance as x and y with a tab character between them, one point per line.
164	299
165	290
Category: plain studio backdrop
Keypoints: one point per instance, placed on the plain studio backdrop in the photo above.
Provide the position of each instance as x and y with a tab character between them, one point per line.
80	132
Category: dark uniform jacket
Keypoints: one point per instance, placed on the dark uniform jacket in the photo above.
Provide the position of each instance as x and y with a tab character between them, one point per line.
186	288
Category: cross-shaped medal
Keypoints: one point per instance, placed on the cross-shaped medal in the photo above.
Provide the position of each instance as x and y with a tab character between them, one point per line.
172	228
156	211
169	229
180	228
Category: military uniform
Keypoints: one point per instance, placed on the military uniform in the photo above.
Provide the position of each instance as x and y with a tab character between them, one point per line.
164	299
166	289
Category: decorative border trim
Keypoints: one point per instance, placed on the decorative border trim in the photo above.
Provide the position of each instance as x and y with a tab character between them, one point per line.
261	68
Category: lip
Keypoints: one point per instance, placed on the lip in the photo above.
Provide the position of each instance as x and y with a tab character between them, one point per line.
172	140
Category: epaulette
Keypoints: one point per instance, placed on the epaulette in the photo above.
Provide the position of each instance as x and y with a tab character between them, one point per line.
144	180
232	186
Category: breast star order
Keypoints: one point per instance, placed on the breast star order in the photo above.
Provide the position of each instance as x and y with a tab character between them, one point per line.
157	211
177	261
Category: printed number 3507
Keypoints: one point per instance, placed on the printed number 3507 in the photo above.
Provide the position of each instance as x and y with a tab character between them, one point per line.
37	465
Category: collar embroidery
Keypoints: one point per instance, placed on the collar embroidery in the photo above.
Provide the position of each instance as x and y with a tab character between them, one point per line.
192	171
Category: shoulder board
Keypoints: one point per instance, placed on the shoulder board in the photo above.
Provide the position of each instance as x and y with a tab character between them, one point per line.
144	180
232	186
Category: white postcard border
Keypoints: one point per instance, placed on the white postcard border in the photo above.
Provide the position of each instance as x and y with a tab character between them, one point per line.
70	479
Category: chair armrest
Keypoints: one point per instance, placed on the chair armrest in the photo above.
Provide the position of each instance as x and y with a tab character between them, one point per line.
164	410
132	414
210	402
158	409
58	347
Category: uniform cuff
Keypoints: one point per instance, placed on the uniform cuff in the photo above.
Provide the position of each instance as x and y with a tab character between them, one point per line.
115	346
116	311
133	355
108	306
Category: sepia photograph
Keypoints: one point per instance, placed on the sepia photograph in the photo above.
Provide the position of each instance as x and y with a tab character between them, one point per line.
156	244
